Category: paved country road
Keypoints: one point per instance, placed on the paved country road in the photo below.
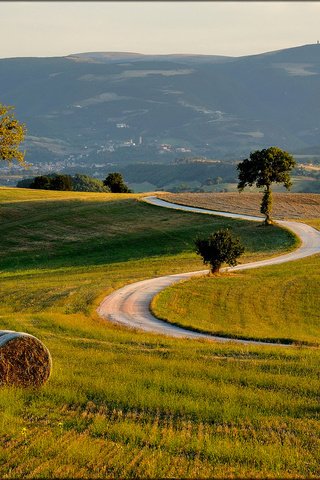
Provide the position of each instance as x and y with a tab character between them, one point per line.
129	305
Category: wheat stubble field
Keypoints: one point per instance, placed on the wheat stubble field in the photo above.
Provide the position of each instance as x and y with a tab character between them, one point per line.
285	205
123	403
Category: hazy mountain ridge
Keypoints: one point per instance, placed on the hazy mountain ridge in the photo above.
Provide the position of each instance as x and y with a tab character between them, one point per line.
107	57
211	105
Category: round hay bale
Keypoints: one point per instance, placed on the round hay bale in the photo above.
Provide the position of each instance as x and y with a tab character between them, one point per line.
24	360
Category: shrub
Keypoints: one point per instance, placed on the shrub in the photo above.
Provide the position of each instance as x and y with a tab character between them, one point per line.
220	247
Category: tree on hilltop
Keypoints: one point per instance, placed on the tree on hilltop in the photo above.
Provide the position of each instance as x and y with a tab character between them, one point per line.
115	182
220	247
61	182
79	183
49	182
12	133
41	182
84	183
267	166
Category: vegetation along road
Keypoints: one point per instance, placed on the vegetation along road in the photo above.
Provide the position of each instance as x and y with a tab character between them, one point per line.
130	305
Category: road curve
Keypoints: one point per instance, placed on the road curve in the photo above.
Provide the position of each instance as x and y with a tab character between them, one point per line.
129	306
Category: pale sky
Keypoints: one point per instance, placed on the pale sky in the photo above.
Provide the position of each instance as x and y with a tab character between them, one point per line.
215	28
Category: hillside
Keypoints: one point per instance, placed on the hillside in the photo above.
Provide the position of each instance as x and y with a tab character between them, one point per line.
60	229
93	107
286	309
122	403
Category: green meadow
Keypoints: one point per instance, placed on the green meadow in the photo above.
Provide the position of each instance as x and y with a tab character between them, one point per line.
123	403
278	304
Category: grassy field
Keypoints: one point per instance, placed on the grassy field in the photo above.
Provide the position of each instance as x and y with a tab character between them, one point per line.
95	229
123	403
279	303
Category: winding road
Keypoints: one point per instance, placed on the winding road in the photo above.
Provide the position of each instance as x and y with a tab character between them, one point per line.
130	305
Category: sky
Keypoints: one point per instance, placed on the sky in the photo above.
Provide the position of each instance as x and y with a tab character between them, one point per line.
53	28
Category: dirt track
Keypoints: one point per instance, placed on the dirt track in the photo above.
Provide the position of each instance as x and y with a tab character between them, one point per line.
129	305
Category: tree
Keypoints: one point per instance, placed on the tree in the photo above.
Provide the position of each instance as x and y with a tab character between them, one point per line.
61	182
41	182
220	247
50	182
115	182
84	183
53	181
25	182
12	133
267	166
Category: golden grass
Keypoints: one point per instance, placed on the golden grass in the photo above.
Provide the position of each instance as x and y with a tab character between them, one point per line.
285	205
12	195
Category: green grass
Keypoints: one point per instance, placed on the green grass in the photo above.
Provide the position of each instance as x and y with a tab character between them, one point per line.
127	404
123	403
90	231
279	303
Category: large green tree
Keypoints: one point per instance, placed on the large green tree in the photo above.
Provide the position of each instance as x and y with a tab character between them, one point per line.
49	182
12	133
267	166
115	182
41	182
84	183
61	182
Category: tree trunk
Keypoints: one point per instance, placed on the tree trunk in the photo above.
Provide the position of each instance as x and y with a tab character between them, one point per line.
266	205
215	269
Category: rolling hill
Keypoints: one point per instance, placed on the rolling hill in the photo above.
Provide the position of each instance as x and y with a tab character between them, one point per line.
123	403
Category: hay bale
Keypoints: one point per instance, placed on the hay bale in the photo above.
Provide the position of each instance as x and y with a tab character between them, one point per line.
24	360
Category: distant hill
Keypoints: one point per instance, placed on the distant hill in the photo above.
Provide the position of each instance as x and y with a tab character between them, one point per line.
221	107
108	57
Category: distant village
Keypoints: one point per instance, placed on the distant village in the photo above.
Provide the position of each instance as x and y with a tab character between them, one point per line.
46	157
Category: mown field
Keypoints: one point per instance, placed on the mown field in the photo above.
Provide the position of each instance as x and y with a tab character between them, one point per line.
122	403
285	205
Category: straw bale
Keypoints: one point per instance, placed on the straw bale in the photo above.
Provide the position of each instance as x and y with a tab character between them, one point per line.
24	360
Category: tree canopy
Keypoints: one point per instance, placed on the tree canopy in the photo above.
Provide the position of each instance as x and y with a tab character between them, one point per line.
41	182
12	133
48	182
115	182
54	181
84	183
267	166
220	247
